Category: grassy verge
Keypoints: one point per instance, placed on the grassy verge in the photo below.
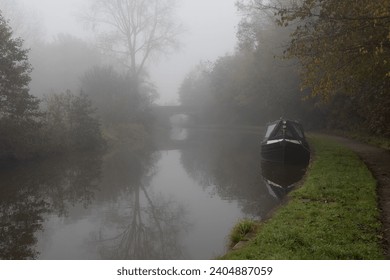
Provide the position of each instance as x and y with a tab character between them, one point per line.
334	215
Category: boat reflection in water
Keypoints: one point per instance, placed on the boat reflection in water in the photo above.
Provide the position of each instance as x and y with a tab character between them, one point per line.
281	178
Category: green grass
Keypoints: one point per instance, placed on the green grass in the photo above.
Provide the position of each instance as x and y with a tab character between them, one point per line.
333	215
240	230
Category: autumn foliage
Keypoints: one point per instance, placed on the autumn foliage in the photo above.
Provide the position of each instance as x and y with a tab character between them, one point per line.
344	50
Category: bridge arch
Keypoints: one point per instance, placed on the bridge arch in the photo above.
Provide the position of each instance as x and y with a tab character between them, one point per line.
163	114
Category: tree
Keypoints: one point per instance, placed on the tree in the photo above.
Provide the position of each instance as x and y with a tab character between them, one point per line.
196	91
252	85
19	111
273	83
341	44
15	100
115	96
25	24
344	49
71	124
135	30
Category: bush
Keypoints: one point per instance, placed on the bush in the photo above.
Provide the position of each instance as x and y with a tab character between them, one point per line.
70	123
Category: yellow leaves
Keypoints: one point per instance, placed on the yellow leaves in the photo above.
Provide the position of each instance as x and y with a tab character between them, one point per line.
344	49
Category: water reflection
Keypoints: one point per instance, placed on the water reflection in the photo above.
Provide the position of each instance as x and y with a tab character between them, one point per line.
28	193
21	212
140	227
179	201
139	224
179	133
229	162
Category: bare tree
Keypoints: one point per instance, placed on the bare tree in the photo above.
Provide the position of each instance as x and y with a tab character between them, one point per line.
25	23
135	30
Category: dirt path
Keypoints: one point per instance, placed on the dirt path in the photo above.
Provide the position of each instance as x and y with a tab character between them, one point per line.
378	161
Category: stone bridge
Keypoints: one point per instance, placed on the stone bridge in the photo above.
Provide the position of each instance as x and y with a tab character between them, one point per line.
163	113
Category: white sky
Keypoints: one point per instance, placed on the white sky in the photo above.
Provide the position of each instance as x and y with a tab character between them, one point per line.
210	25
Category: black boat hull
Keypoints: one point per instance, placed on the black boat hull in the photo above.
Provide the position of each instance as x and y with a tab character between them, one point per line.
285	151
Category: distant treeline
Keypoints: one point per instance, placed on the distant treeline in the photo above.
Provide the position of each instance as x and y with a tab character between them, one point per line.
31	128
108	107
27	131
326	63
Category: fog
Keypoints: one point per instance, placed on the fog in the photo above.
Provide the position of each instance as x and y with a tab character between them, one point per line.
209	32
207	55
137	129
211	27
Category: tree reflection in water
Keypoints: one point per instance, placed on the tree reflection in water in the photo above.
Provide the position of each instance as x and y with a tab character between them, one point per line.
229	162
139	224
136	223
21	210
129	215
30	192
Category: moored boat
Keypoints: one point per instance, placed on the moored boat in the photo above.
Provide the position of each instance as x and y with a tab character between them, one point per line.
285	141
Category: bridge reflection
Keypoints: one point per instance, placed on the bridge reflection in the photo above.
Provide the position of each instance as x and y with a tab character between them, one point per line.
169	142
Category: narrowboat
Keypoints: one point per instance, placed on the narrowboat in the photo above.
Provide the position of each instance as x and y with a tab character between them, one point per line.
285	141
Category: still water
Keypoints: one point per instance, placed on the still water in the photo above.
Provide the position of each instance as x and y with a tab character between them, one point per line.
177	201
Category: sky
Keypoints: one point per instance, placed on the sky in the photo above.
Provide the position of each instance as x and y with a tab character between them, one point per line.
210	33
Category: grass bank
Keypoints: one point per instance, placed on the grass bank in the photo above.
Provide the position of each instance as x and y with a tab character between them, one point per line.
333	215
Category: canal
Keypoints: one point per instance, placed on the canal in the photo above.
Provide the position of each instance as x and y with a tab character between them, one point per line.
179	201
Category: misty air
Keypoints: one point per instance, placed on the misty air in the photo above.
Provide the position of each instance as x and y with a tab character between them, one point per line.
194	130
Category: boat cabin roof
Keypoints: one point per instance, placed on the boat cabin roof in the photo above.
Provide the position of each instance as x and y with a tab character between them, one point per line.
293	130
